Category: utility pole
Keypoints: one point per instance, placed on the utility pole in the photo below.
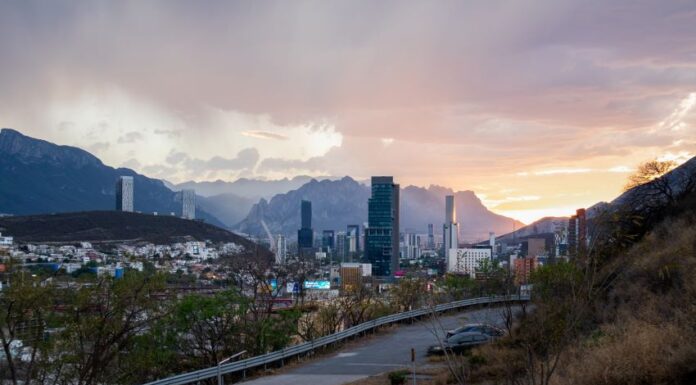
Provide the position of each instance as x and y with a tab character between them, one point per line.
413	362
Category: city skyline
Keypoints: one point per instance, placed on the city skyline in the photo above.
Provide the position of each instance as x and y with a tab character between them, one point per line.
539	108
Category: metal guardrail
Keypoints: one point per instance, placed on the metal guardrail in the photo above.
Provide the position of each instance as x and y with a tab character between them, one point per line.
254	362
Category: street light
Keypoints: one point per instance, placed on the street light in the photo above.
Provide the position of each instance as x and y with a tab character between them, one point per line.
225	361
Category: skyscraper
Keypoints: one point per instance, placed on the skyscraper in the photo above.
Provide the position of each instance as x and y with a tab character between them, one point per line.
306	215
353	240
124	194
188	200
341	246
328	244
450	228
305	236
382	233
577	232
431	237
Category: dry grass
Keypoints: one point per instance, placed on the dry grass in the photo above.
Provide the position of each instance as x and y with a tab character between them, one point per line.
646	323
634	353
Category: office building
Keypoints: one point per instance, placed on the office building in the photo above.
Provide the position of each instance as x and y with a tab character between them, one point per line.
305	235
341	246
382	233
467	260
188	201
523	268
411	249
577	232
353	275
450	228
353	239
124	194
328	244
431	236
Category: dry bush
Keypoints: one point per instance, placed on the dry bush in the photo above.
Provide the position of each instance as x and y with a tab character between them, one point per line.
635	353
649	334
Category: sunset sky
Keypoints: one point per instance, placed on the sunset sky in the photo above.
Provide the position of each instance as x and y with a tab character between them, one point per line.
540	107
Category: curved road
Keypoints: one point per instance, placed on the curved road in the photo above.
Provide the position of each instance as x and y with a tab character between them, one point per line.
384	352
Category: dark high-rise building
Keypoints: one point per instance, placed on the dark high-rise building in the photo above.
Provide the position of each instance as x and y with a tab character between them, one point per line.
382	233
328	244
306	215
577	232
305	235
431	237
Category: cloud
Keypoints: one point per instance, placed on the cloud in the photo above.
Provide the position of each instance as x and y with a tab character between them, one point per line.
130	137
132	164
675	121
591	85
98	147
556	171
245	159
175	157
264	135
293	165
621	169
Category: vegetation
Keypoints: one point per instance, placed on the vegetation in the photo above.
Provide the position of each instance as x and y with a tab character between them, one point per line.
113	226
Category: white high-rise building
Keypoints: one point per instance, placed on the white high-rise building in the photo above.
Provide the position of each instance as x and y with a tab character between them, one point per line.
451	228
188	200
124	194
466	261
281	252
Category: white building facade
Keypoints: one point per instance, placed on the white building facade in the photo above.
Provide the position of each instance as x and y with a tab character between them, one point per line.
188	201
466	261
124	194
450	228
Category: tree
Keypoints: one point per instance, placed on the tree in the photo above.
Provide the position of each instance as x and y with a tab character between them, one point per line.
408	293
25	312
101	322
206	330
649	171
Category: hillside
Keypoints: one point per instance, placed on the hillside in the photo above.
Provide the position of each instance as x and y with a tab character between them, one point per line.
39	177
95	226
546	225
338	203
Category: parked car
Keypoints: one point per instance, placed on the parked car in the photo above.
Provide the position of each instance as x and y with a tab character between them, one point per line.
460	343
489	330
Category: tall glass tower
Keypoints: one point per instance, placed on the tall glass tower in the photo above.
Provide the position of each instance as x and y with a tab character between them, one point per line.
305	235
382	233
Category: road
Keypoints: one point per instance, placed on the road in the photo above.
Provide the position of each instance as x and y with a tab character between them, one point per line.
385	352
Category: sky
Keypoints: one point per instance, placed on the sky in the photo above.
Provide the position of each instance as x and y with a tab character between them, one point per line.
540	107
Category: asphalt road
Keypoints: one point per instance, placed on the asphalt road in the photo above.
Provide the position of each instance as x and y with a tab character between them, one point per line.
382	353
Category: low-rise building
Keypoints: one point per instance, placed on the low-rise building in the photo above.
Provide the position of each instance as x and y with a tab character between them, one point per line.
467	260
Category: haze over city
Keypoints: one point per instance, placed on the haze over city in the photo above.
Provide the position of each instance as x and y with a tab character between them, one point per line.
540	108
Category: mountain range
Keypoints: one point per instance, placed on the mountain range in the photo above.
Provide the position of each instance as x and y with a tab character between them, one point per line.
39	177
338	203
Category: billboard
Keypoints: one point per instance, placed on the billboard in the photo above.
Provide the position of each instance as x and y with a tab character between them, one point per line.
317	285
